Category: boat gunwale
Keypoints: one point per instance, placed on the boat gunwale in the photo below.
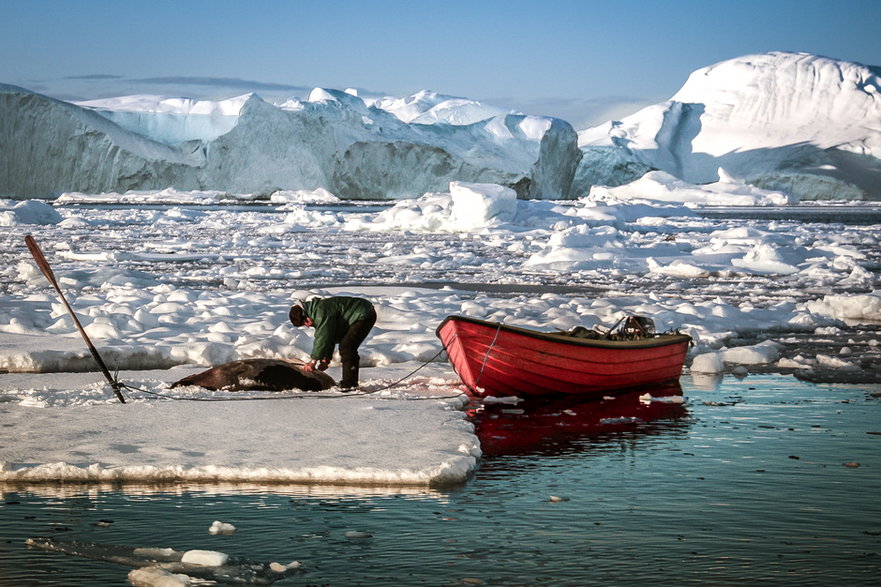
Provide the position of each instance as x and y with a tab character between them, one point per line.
663	339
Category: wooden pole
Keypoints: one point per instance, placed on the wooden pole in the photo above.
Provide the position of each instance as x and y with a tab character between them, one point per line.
47	271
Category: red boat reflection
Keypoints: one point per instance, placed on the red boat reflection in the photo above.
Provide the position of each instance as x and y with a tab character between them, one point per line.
550	426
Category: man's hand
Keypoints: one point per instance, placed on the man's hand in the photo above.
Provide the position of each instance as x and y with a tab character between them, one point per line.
321	365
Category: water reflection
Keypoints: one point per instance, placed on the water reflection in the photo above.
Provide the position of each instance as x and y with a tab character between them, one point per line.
559	426
707	381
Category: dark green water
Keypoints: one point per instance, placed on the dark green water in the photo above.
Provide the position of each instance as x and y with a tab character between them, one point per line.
765	480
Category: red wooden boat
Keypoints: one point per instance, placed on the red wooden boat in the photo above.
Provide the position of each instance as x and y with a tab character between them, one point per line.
500	360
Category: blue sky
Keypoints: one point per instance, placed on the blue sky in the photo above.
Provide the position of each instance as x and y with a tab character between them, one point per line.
582	60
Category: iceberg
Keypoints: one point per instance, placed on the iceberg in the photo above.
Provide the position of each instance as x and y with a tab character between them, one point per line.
334	141
798	123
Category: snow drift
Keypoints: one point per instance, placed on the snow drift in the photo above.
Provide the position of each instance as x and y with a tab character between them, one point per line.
797	123
333	140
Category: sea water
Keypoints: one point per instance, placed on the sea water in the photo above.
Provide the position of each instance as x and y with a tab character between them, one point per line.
762	480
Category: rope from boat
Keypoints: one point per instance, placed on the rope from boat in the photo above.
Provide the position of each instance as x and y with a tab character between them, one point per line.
486	356
413	372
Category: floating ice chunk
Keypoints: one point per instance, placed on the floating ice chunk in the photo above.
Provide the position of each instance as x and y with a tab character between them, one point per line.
831	362
668	399
767	258
219	527
708	363
866	306
430	212
479	204
579	247
659	186
859	277
584	236
827	331
157	577
785	363
648	398
297	215
204	558
491	399
677	269
764	352
318	196
166	196
27	212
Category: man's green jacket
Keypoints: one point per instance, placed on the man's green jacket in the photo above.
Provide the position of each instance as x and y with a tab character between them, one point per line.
332	318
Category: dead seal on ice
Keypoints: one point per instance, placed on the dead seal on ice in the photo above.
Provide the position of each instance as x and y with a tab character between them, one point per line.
259	375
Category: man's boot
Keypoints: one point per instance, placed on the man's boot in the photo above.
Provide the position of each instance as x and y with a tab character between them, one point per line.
349	378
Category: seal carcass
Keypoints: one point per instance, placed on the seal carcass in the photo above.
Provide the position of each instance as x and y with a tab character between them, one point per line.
259	374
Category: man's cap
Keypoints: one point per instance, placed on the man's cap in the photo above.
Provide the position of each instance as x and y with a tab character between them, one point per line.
297	316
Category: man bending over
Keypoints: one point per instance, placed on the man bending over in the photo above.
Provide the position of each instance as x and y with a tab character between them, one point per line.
338	320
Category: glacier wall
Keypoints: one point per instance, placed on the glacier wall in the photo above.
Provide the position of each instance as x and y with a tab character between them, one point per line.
334	141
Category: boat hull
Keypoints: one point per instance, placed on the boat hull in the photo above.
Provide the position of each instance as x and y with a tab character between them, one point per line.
500	360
